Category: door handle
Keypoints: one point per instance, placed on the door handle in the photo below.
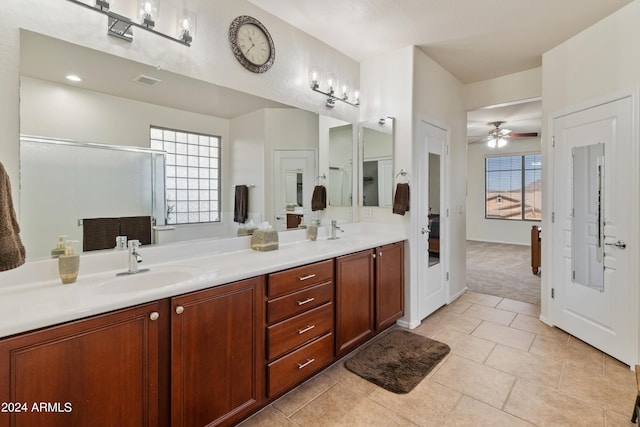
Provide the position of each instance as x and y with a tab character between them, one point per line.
426	230
619	244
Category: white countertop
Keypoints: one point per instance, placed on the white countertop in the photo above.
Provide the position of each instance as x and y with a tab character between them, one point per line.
35	297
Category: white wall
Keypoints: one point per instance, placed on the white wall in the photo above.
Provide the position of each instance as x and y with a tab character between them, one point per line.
599	62
512	87
494	230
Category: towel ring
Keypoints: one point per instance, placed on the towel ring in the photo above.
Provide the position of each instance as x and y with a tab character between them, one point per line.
404	174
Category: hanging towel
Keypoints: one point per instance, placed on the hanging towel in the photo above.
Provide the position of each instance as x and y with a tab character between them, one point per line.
241	209
12	253
99	233
136	228
319	198
401	199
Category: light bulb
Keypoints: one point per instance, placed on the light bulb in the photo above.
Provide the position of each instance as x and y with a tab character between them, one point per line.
492	143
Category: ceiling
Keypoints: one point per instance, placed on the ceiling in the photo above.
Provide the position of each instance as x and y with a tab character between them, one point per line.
524	117
473	39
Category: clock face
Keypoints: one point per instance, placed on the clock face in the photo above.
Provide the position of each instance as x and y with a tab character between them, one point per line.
251	44
254	44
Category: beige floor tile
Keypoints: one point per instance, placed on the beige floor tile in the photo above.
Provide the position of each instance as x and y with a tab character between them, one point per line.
473	379
583	356
602	391
399	421
339	374
301	395
464	345
540	370
426	405
470	412
457	306
455	321
483	299
616	419
428	330
532	324
504	335
268	417
339	406
494	315
519	307
618	371
543	406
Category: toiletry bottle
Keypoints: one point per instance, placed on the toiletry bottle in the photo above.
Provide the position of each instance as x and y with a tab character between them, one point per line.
312	231
68	264
59	249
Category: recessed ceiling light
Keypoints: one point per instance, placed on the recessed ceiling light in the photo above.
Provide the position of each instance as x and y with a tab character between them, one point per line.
74	78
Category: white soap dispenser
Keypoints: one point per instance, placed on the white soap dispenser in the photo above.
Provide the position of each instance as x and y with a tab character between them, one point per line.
68	264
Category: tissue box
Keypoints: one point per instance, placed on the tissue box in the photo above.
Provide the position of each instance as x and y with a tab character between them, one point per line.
264	240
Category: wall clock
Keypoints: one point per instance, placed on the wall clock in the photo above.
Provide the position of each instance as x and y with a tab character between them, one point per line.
252	44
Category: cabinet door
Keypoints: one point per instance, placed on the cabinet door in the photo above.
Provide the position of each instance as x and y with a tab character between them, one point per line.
389	284
217	347
354	300
102	371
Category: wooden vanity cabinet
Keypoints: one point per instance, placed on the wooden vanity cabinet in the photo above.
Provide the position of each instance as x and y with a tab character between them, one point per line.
389	284
217	354
354	300
102	371
300	324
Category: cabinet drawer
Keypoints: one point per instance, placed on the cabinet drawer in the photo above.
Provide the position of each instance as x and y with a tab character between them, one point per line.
285	336
299	277
297	302
300	364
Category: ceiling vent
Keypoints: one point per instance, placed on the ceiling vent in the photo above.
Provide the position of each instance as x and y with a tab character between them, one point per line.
147	80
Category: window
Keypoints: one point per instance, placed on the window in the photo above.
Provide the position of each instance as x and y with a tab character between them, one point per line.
192	175
513	187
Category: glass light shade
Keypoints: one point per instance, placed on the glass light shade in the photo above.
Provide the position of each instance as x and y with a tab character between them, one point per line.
186	25
492	143
148	11
502	142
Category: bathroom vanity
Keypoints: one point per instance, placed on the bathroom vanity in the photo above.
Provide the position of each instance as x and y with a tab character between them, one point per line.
237	330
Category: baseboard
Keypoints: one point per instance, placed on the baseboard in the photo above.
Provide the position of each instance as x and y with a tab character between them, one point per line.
408	325
458	295
546	321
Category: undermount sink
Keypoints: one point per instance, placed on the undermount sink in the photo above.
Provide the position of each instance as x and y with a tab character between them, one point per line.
153	278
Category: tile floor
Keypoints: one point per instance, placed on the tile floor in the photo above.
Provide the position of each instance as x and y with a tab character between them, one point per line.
505	368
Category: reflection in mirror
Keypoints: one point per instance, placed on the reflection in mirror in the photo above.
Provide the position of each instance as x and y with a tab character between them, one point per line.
377	162
295	170
434	209
587	231
111	106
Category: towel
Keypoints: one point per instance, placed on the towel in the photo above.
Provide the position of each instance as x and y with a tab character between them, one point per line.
241	208
319	198
12	253
401	199
99	233
136	228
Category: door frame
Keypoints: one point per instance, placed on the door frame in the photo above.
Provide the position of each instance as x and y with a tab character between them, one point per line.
550	260
418	152
309	181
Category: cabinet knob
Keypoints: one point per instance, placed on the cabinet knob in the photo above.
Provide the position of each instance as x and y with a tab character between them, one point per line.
179	309
380	253
154	316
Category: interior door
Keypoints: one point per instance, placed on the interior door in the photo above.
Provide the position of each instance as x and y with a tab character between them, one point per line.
595	228
294	173
432	214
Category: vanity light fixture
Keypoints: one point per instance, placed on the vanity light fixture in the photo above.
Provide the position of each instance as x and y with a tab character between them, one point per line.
122	27
331	94
74	78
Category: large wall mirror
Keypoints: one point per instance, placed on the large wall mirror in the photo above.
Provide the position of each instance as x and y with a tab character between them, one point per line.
116	104
377	162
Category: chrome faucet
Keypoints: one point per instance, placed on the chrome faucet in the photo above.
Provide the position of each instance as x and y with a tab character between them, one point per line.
334	228
134	256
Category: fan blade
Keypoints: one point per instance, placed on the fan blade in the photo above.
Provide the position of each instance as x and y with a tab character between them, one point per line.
504	132
524	135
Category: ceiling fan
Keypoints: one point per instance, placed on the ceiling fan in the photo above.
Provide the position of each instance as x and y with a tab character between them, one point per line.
499	137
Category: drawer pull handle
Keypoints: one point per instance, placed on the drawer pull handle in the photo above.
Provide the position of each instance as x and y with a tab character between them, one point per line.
307	329
307	277
307	363
306	301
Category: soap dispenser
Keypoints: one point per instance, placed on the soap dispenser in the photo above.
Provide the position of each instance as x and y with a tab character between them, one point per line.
68	264
59	249
313	230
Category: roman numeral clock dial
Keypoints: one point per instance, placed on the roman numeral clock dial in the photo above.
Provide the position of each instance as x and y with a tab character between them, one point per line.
251	44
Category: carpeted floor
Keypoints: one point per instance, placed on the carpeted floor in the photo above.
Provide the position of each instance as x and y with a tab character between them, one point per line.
502	270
